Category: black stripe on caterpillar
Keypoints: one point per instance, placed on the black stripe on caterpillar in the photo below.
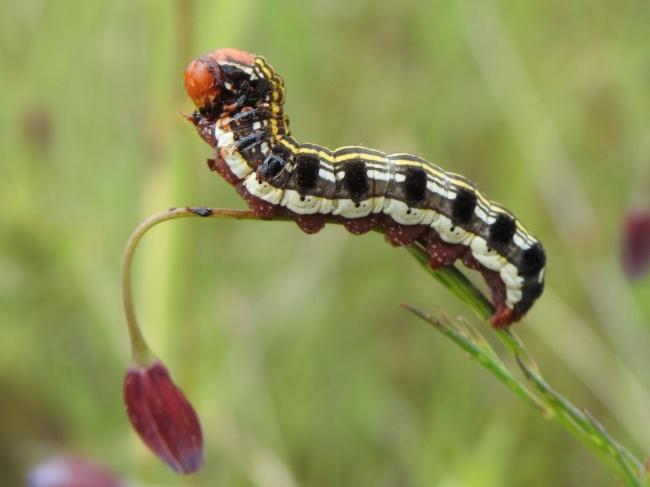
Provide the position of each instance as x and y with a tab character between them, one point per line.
240	113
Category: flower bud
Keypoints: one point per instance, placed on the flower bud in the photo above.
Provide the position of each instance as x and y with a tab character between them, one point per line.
636	242
71	471
163	417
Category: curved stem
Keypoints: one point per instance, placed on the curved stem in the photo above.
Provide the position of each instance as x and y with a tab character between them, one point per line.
142	354
449	276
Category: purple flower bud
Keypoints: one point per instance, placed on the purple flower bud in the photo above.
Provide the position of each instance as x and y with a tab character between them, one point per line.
71	471
636	242
163	417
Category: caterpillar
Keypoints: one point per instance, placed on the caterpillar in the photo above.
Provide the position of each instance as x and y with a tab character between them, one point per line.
239	100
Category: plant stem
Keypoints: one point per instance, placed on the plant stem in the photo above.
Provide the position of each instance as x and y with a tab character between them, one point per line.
141	353
548	402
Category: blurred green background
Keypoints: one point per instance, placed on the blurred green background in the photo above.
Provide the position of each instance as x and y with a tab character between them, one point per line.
292	348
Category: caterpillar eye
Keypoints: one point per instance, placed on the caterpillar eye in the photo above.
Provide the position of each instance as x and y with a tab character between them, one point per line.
271	167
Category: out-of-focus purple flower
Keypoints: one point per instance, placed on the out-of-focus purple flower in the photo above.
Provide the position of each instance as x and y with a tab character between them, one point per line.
71	471
636	242
163	417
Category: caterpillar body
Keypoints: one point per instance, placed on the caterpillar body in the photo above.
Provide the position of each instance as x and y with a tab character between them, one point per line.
239	100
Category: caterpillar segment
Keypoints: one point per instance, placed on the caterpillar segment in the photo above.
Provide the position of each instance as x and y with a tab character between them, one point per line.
240	113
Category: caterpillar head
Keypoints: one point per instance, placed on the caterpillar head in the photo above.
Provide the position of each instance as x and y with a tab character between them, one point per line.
229	80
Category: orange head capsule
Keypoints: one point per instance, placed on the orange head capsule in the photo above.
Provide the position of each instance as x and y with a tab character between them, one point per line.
204	78
203	81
